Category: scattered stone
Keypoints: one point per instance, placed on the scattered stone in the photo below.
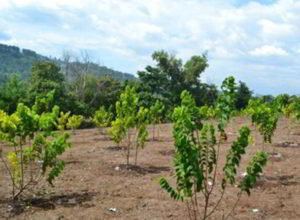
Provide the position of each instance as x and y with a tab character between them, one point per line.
243	174
259	213
10	208
294	145
117	168
40	163
112	209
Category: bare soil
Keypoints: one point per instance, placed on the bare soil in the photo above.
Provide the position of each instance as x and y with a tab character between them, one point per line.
96	184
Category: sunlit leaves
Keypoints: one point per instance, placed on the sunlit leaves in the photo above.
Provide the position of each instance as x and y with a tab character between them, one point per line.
27	125
102	118
196	158
265	117
254	169
233	158
74	122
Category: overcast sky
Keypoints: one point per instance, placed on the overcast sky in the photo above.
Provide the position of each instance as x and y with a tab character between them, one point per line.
256	41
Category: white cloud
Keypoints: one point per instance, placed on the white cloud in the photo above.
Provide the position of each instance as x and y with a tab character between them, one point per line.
276	29
123	34
268	50
4	4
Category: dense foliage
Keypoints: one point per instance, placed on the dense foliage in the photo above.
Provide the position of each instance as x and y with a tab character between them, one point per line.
79	92
197	155
35	147
170	76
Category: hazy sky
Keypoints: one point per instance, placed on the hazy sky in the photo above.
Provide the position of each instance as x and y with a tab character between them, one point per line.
256	41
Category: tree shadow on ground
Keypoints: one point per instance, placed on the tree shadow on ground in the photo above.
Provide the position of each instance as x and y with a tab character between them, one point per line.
116	148
275	181
161	139
167	152
13	208
73	162
105	138
143	170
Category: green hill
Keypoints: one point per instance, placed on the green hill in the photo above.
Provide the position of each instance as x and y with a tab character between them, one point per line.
15	60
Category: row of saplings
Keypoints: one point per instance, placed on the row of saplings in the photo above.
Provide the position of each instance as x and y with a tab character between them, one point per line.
36	144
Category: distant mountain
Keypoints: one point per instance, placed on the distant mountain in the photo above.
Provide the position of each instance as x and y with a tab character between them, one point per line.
16	60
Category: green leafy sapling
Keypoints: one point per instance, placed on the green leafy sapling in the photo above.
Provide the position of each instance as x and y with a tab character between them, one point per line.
48	120
26	165
102	118
207	112
117	131
226	104
142	122
156	112
197	155
292	112
63	120
266	119
74	122
126	109
263	117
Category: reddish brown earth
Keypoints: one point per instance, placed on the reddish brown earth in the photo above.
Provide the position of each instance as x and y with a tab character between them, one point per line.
91	184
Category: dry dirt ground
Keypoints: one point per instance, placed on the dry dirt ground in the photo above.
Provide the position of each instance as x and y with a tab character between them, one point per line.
96	185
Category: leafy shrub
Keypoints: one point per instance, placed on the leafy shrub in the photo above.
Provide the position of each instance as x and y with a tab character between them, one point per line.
142	131
156	113
197	156
102	118
26	165
264	117
63	120
126	115
74	122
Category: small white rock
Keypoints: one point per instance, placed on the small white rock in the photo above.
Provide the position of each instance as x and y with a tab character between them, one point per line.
278	155
244	174
294	145
209	183
10	208
117	168
255	210
112	209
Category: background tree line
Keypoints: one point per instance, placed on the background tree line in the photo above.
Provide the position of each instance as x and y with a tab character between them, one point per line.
77	89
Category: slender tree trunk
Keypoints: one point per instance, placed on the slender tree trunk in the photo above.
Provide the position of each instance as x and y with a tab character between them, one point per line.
128	149
136	154
153	130
22	164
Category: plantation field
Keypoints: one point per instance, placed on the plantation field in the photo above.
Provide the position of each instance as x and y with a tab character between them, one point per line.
96	184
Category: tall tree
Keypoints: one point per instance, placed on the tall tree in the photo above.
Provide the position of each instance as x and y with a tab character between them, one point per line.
46	77
243	95
169	77
12	92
